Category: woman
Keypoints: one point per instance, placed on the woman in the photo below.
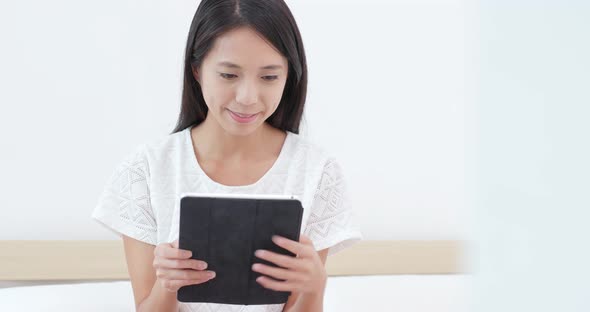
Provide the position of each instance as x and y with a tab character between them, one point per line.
245	81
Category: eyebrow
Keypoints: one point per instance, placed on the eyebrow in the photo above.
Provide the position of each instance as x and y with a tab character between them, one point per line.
232	65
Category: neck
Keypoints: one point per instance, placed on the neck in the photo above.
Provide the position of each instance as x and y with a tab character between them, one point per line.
214	143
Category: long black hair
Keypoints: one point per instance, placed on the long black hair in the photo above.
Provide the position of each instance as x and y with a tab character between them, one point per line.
270	18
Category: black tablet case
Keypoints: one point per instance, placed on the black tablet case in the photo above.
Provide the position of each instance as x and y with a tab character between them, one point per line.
225	233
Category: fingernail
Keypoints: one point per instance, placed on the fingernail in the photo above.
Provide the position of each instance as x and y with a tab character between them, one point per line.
211	274
259	253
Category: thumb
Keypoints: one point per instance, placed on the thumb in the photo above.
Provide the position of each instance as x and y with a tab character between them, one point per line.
175	244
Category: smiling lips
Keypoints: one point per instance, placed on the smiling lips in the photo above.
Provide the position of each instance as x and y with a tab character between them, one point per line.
242	118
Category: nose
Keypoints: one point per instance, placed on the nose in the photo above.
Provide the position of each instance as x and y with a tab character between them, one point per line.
247	93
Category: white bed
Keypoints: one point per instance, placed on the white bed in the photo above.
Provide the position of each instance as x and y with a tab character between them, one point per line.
88	276
416	293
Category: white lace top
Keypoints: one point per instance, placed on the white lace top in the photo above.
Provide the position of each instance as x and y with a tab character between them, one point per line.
141	199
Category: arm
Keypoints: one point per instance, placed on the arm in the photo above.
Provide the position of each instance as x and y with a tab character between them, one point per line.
307	302
148	295
331	210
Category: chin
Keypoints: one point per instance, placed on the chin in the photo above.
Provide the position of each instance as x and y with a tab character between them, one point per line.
241	130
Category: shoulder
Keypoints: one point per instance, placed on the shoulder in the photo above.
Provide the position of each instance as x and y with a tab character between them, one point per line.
305	146
313	154
165	143
156	151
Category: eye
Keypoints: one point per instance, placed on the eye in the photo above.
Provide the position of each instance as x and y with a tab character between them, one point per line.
227	76
270	78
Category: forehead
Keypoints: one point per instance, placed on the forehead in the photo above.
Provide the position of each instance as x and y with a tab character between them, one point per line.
245	47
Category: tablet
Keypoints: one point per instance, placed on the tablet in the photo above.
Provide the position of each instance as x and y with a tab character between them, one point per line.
225	230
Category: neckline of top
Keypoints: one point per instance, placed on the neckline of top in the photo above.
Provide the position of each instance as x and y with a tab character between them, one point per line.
195	163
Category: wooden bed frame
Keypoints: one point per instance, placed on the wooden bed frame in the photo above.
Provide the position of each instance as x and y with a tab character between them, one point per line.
28	260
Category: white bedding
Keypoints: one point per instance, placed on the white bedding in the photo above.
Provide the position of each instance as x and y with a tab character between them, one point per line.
416	293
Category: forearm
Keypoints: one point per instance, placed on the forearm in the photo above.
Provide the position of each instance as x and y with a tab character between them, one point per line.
159	300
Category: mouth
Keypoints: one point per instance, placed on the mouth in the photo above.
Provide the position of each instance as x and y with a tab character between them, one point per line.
241	117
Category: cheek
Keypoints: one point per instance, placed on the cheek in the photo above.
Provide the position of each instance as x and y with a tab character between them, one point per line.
217	96
276	97
271	102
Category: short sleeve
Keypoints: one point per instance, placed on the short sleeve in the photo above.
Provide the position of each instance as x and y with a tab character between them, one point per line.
124	206
331	222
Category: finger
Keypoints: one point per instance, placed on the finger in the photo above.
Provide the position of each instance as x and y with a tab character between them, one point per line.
185	274
277	273
306	240
291	245
287	262
173	253
174	285
179	264
175	244
269	283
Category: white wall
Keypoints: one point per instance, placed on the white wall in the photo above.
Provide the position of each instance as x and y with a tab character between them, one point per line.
83	83
531	174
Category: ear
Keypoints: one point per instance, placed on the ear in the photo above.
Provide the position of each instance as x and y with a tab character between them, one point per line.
196	74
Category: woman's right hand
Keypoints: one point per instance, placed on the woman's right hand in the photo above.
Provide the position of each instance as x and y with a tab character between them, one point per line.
175	269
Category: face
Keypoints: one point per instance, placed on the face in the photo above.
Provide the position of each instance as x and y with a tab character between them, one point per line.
242	79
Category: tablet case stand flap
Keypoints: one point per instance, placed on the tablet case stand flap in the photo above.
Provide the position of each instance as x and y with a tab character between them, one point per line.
225	233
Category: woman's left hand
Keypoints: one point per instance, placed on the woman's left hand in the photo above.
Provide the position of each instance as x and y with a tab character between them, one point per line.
304	273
